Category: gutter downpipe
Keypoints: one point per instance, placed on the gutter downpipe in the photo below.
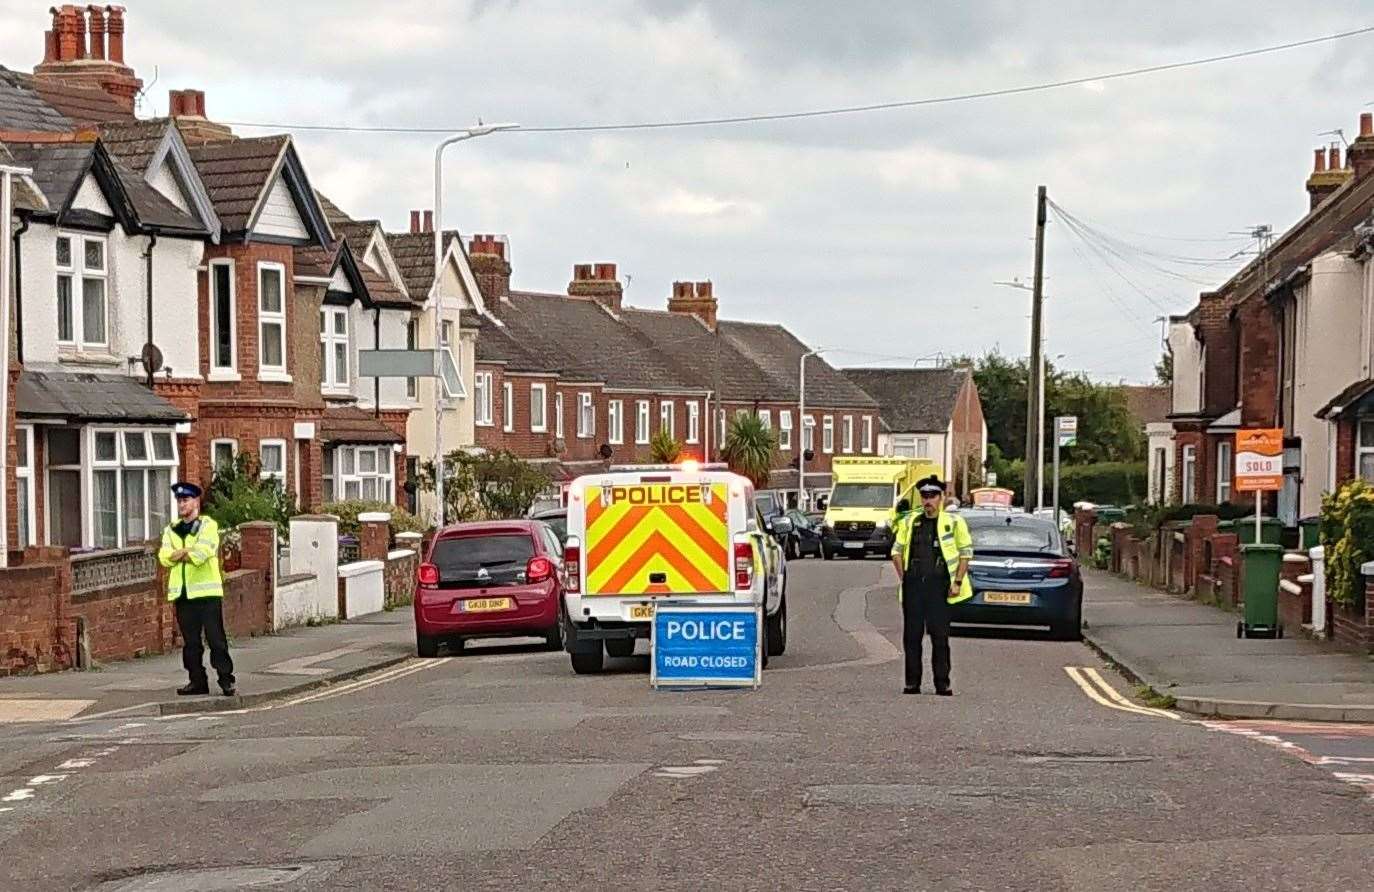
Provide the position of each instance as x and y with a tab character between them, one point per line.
148	273
17	259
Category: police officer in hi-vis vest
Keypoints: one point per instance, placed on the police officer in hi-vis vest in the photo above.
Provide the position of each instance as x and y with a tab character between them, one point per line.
931	552
190	552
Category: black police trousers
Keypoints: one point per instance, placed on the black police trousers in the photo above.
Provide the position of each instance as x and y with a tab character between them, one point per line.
197	616
925	610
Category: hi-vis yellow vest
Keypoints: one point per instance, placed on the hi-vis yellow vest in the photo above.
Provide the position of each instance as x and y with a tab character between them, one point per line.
199	573
955	542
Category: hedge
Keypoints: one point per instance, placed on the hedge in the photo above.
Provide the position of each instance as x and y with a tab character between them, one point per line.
1107	483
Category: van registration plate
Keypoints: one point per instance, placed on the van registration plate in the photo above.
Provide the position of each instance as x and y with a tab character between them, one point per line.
643	612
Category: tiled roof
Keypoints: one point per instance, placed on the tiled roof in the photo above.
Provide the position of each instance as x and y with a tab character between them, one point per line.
706	359
414	256
910	400
89	397
349	424
22	109
25	196
778	353
496	344
313	261
84	105
235	173
134	142
1149	403
382	289
582	341
152	206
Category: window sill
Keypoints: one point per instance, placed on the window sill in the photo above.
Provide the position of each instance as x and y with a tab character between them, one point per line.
67	354
275	377
616	442
539	430
483	424
224	376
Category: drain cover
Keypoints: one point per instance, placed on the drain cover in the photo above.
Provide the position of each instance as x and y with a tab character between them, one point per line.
220	879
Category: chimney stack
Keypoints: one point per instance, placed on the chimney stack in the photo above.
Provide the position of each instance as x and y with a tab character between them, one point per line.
69	60
188	108
1327	175
491	268
694	299
1360	155
429	221
414	222
598	282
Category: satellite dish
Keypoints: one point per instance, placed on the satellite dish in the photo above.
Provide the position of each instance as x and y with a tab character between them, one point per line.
151	357
605	451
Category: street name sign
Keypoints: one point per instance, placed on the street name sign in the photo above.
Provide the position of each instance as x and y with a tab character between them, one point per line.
1066	429
705	646
1259	460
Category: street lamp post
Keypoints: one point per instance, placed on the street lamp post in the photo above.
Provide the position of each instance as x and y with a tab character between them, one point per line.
801	420
470	133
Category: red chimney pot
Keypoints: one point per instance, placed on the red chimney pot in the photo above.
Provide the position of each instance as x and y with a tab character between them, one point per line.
1319	161
414	221
1334	160
79	18
114	16
429	221
97	31
1366	123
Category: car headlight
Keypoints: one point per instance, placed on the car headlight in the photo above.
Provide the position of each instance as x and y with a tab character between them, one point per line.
882	524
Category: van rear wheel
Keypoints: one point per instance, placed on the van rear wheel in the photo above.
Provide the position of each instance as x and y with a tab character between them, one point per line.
588	662
775	630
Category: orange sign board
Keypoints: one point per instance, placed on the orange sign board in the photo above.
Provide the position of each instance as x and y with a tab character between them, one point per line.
1259	460
991	495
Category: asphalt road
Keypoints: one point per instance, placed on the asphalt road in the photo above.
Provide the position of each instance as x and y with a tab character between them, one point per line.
500	769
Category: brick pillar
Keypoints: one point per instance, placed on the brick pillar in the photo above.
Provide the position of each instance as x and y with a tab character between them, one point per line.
1203	527
258	546
375	540
1083	522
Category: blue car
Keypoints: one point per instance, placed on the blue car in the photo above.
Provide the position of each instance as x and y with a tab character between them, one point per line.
1022	574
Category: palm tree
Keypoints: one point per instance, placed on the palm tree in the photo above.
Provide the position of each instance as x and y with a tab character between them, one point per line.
664	449
749	448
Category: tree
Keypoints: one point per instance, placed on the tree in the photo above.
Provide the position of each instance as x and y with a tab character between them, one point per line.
749	448
239	493
488	485
664	449
1164	369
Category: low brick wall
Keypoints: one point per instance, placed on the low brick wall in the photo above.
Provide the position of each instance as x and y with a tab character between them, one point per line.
36	635
1350	628
123	622
399	577
247	603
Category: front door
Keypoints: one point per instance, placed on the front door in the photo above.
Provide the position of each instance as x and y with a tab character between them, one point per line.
64	487
1291	494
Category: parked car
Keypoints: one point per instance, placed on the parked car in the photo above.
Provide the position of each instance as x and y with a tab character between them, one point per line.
557	519
805	538
489	579
1022	574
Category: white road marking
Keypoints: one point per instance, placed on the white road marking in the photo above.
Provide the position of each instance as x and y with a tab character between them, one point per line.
18	795
1096	687
72	764
42	779
683	772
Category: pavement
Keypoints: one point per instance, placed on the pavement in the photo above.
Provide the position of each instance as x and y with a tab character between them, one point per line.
1190	651
266	668
499	768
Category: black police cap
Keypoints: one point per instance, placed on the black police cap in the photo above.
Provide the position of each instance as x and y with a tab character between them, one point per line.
929	485
186	491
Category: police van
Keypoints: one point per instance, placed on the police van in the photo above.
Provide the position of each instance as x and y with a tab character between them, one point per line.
640	534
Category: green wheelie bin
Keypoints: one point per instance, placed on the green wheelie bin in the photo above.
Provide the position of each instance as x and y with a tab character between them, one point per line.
1260	585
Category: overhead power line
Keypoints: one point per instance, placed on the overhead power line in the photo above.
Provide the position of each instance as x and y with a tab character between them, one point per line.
840	110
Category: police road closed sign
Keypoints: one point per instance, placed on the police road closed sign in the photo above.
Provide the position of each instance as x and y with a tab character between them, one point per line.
1259	460
705	646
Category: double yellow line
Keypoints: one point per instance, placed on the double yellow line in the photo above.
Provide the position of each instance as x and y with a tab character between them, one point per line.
1096	687
409	667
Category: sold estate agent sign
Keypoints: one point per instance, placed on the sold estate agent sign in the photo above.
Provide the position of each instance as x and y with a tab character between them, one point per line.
1259	460
705	646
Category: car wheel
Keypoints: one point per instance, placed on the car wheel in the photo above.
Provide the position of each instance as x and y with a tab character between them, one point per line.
553	638
775	630
588	662
620	647
827	554
1070	629
426	645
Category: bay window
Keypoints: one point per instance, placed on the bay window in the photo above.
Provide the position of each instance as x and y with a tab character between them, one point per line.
483	407
271	319
334	348
1225	469
82	274
23	483
1364	450
132	472
360	472
1188	479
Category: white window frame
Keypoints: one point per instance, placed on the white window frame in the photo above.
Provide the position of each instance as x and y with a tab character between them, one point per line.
265	474
558	415
482	410
868	435
923	447
224	372
828	435
265	317
507	406
27	506
693	422
642	422
766	419
667	417
121	464
847	429
1226	469
348	472
809	433
586	415
223	441
539	397
615	422
720	428
1188	476
785	430
330	339
77	273
1361	447
413	343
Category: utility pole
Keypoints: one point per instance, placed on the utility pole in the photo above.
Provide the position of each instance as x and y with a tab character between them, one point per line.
1034	488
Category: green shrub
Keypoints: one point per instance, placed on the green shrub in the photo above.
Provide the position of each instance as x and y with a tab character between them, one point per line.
664	448
486	485
239	494
1347	533
402	521
1108	483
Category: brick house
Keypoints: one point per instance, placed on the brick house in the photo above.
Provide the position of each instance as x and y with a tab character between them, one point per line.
930	413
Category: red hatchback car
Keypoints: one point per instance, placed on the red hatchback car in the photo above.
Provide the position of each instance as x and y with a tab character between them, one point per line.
489	579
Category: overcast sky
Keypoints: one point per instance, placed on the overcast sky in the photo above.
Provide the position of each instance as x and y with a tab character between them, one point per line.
880	234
